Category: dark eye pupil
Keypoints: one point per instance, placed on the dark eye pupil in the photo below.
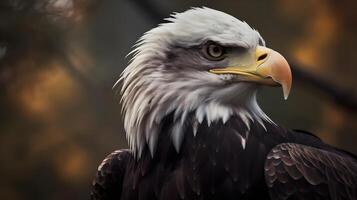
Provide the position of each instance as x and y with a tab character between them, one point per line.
214	52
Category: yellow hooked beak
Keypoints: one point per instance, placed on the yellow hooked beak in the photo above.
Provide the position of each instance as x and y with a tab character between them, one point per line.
269	68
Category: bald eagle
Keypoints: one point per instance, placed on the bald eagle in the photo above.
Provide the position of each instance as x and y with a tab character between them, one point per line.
196	131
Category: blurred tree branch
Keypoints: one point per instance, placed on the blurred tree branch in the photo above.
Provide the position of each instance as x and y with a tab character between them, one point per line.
45	37
150	9
341	96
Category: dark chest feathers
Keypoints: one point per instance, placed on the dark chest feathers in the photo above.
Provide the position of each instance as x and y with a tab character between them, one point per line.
214	164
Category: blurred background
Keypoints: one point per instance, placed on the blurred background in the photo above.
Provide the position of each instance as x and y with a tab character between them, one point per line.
60	58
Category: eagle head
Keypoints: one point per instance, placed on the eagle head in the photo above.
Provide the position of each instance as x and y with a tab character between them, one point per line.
201	62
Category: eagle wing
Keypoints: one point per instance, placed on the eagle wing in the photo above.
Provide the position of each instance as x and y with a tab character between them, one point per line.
108	181
295	171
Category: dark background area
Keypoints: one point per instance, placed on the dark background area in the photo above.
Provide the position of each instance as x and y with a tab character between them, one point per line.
60	58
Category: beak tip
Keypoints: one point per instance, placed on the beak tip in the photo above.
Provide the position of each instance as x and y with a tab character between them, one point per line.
286	91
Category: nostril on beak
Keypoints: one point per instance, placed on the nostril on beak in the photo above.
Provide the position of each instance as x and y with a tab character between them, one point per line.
262	57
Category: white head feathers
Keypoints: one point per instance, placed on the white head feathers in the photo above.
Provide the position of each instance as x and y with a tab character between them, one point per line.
167	75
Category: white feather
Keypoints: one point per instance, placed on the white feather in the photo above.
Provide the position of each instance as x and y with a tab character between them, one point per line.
150	91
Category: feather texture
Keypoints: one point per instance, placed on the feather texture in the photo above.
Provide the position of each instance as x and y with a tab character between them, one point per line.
215	164
295	171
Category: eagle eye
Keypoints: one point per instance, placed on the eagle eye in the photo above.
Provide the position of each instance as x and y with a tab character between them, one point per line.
213	51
